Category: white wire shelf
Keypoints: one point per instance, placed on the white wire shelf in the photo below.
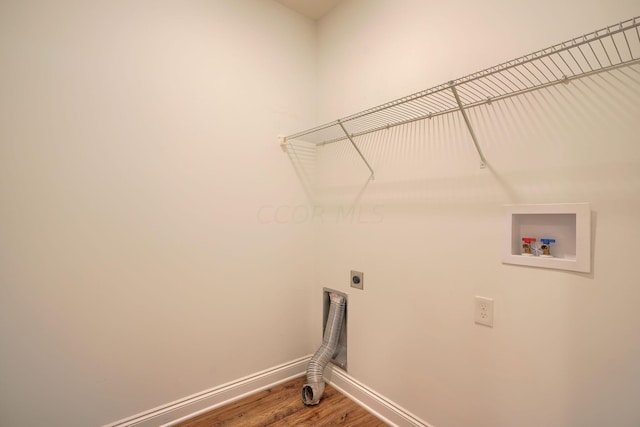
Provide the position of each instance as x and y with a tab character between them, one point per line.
602	50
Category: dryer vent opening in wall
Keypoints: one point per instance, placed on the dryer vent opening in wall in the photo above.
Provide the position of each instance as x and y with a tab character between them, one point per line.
340	356
334	322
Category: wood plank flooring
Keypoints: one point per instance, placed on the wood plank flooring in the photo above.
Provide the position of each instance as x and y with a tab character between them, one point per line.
282	405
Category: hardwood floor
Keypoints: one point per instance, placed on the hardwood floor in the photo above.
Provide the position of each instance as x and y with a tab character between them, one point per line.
282	405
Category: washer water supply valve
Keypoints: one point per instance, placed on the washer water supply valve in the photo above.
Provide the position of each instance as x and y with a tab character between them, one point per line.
526	245
546	247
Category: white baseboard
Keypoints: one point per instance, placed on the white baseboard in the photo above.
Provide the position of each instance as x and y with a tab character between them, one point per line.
180	410
378	405
191	406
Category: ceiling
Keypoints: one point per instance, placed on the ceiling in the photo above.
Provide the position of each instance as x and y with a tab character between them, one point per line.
314	9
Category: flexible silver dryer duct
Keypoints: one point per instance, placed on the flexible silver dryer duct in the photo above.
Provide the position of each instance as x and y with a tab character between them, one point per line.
312	391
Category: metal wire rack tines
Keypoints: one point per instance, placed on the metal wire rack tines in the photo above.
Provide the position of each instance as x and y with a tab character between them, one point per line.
601	50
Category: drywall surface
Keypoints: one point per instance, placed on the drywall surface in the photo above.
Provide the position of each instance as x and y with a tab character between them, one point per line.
428	232
140	259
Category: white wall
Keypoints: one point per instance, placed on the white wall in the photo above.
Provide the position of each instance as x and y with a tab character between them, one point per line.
137	146
428	232
138	173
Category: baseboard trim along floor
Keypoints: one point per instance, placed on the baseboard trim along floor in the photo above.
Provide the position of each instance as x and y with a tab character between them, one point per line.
196	404
373	402
199	403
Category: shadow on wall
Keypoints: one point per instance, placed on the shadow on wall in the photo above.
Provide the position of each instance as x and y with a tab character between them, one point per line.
568	142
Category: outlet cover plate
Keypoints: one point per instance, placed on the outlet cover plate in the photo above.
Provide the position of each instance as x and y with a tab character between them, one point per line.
357	279
484	311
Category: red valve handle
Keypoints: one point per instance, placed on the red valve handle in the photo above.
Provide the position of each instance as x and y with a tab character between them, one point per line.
528	239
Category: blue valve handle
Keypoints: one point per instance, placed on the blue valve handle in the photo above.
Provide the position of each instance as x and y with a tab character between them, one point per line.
547	241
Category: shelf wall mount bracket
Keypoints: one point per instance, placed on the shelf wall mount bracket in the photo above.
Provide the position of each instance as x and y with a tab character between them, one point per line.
483	161
282	140
373	176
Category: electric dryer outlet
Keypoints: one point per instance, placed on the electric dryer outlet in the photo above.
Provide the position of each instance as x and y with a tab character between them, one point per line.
357	279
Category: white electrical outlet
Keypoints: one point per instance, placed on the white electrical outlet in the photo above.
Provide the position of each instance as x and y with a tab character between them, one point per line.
484	311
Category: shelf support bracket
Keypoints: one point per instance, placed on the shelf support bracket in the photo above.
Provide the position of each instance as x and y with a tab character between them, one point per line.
372	177
483	162
283	143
